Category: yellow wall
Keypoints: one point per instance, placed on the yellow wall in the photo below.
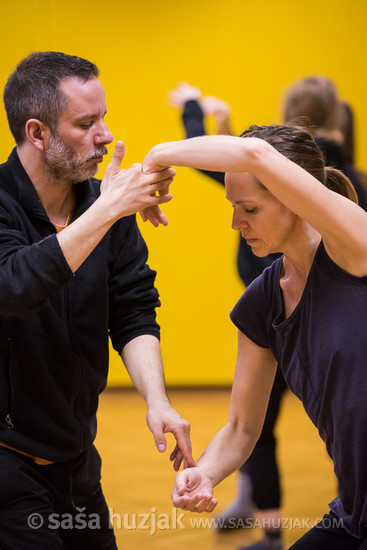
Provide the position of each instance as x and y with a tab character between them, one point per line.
244	51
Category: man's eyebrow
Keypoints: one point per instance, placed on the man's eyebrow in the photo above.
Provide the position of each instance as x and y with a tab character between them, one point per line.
90	115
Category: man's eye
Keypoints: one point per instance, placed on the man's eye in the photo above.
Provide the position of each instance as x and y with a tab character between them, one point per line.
250	210
86	125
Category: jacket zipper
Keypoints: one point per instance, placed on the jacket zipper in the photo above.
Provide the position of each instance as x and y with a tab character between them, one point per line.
80	372
8	419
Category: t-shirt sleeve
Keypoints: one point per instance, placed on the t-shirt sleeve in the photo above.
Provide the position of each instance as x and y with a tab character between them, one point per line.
250	314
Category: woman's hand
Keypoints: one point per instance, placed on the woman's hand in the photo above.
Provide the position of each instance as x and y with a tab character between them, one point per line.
193	491
182	93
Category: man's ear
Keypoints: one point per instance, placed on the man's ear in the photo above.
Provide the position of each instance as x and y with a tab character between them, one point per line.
37	133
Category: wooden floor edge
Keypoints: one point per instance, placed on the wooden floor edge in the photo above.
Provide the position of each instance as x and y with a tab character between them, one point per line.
196	387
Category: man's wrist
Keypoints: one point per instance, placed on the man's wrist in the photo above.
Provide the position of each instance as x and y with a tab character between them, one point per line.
154	402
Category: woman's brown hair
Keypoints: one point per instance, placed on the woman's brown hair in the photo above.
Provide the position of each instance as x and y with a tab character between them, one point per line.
299	146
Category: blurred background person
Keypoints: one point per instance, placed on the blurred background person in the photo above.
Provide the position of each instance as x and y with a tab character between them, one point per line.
313	102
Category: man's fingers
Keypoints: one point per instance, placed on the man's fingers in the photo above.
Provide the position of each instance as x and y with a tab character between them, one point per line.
183	441
174	453
117	157
159	438
163	175
154	214
177	457
189	461
161	199
162	218
143	215
161	186
178	460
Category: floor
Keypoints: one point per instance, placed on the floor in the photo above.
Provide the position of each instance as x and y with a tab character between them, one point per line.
137	479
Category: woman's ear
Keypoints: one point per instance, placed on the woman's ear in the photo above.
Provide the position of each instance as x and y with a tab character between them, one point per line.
37	132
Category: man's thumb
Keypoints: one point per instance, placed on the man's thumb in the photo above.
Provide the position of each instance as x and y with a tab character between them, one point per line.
117	156
160	442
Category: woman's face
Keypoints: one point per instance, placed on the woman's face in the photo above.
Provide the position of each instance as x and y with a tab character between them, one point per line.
265	223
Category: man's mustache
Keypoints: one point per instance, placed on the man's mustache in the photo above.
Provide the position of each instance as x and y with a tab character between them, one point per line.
98	153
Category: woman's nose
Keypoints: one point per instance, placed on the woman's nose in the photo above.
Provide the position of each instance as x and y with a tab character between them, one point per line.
238	221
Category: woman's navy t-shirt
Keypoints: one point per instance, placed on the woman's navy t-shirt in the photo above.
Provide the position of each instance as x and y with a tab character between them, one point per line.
322	350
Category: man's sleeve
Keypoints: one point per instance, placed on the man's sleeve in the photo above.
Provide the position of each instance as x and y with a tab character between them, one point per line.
132	294
251	313
29	273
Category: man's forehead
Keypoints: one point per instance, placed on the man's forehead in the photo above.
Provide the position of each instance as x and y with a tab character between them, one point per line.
84	97
69	84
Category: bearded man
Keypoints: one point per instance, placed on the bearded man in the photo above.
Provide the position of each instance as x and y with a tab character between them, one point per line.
73	272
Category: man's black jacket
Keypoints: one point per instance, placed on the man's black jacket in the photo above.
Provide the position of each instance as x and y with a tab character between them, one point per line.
54	324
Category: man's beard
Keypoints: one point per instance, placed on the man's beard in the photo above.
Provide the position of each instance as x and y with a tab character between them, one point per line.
63	164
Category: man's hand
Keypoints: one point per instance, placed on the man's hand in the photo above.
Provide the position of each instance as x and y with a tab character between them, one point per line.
193	491
153	213
129	191
164	419
143	360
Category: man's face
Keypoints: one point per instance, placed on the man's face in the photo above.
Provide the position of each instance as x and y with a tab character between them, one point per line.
74	152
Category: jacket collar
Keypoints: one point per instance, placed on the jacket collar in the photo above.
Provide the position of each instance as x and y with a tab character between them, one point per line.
21	188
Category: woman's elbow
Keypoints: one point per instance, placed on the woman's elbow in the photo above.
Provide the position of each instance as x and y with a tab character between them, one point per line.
244	428
255	152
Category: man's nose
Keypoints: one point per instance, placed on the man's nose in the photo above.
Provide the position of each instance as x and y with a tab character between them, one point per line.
103	135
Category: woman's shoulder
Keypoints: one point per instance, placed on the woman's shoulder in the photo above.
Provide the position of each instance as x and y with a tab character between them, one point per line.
326	264
255	309
259	294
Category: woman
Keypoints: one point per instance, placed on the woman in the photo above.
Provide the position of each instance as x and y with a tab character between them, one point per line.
259	487
307	312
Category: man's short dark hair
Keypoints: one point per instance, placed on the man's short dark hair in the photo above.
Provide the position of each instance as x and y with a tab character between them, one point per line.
33	91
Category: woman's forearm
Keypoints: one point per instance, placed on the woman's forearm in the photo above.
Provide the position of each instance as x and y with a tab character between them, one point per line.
323	209
217	153
226	452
